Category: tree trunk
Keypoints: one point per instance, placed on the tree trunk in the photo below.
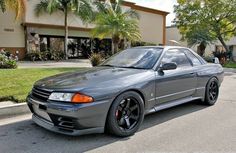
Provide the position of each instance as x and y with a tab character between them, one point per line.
122	44
66	34
115	42
126	43
225	47
116	47
112	48
223	58
223	43
201	49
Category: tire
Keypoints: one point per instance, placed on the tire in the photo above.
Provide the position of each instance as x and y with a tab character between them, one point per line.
212	92
125	115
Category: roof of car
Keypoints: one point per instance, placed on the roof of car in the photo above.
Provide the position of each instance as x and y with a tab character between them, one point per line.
163	47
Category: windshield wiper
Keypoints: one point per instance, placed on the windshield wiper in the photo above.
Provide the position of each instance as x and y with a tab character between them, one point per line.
133	67
108	65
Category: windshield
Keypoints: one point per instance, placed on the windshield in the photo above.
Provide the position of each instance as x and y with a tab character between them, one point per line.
142	58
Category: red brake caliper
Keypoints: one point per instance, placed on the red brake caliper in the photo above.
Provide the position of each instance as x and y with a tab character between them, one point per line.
117	113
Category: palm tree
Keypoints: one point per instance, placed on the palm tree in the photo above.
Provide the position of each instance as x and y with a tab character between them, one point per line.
82	8
112	21
19	6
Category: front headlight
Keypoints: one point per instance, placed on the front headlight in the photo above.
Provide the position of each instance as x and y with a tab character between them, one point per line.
57	96
70	97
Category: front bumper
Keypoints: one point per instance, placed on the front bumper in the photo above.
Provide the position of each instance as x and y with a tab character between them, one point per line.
70	119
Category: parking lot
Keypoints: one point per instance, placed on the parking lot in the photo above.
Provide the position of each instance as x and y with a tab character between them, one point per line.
187	128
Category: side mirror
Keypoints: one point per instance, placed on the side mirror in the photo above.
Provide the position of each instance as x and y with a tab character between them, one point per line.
168	66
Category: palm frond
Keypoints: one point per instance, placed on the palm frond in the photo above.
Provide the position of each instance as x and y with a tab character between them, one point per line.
41	7
55	5
112	21
101	6
2	6
117	6
101	31
83	9
132	14
74	5
19	6
49	6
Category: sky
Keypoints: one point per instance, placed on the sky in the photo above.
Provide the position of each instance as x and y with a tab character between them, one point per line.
164	5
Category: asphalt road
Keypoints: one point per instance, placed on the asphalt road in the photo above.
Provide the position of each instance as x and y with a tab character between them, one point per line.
187	128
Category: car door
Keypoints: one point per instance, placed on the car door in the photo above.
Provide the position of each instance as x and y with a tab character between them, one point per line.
178	83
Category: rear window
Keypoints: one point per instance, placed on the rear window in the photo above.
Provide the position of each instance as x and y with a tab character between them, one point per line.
193	58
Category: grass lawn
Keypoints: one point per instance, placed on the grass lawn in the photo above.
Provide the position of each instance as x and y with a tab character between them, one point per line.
230	65
15	84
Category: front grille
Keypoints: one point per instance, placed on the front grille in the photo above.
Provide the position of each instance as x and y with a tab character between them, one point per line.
41	94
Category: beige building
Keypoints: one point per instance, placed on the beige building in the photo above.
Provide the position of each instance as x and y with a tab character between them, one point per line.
173	37
46	31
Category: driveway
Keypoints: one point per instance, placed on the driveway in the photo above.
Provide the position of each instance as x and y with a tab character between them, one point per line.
187	128
54	64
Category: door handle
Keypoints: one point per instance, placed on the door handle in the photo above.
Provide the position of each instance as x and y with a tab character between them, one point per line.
192	74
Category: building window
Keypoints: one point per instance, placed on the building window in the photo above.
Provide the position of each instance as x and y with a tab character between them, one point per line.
44	44
78	47
57	44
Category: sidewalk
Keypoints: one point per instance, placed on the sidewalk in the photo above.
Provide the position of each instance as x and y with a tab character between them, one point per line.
229	70
6	103
54	64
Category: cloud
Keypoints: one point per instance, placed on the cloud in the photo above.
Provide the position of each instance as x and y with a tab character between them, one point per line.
164	5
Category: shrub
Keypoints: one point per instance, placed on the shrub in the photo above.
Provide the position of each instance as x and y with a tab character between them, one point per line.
11	64
6	62
95	59
7	53
45	55
57	55
222	56
34	56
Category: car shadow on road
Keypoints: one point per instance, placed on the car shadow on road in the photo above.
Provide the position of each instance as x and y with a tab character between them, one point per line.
27	136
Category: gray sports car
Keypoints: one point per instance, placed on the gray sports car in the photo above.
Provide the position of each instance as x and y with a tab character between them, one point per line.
116	95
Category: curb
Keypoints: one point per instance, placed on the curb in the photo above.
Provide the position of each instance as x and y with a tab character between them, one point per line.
13	110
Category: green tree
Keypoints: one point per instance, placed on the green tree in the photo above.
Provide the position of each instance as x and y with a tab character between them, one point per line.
19	6
217	16
112	21
197	35
82	8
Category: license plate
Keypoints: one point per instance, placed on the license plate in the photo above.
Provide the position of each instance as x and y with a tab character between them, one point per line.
41	113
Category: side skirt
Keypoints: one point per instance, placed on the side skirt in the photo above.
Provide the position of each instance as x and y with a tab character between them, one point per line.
172	104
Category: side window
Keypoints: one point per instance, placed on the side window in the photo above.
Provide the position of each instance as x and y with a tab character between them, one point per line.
176	56
193	58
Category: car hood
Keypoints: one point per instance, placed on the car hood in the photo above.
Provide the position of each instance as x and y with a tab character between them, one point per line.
99	76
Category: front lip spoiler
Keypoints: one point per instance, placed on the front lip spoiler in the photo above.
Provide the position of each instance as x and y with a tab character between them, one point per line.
88	118
50	126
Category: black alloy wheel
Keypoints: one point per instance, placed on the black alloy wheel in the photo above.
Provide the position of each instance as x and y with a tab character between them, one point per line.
212	91
126	114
